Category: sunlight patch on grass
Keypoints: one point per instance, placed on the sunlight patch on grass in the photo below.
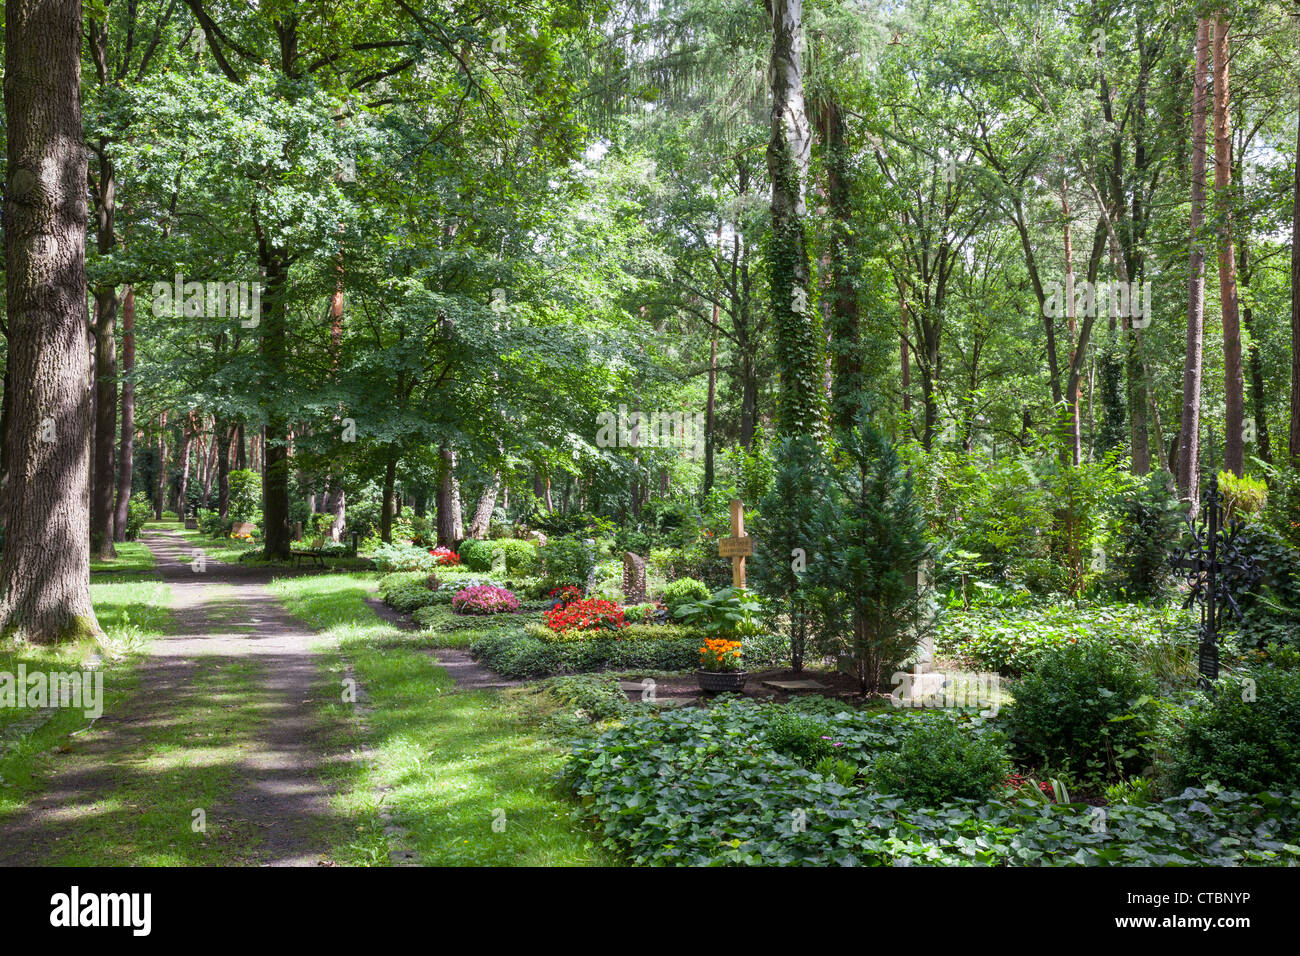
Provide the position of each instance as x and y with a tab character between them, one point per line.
455	763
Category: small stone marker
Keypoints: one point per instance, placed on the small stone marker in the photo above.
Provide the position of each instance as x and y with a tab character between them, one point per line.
789	685
739	546
242	527
633	578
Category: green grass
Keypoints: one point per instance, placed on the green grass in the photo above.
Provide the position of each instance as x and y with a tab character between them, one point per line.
133	557
455	762
131	613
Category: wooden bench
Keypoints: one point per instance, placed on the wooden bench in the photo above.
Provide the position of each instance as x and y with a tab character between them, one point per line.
313	553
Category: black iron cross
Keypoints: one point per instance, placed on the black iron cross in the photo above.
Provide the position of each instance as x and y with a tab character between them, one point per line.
1217	570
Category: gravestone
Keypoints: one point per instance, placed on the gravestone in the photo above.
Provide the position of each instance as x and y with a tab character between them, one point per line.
633	578
242	527
739	546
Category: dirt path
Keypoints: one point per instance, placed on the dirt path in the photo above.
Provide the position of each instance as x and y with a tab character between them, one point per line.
232	647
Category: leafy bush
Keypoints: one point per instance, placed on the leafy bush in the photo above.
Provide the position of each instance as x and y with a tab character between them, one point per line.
1243	497
684	591
596	698
1271	611
212	524
642	613
1007	640
804	739
1246	737
517	654
402	557
566	561
1086	708
408	597
1147	528
728	613
245	494
938	762
484	599
693	786
138	510
520	556
440	618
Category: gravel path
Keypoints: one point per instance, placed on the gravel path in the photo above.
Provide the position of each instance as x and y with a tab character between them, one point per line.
222	615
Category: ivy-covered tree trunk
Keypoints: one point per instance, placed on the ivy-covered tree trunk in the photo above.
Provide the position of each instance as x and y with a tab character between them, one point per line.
1234	451
798	334
1189	439
45	568
844	333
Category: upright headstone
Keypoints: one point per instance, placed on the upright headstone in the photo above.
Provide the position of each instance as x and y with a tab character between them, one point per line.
633	578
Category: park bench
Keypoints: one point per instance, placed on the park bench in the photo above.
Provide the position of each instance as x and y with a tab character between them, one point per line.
313	553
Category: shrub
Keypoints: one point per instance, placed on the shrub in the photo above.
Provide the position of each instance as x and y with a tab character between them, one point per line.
1243	497
212	524
597	698
1246	737
804	739
938	762
642	613
520	556
566	561
728	613
1086	708
402	557
1147	529
138	510
513	653
632	632
485	599
408	597
245	494
684	591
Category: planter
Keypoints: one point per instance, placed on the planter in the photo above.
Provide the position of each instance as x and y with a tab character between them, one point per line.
718	682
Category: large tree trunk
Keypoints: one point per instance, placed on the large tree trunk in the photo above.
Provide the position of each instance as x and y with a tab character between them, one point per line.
386	509
126	451
1294	438
847	381
275	446
182	491
797	339
45	568
487	502
222	438
101	504
1189	437
160	480
1234	453
104	187
450	529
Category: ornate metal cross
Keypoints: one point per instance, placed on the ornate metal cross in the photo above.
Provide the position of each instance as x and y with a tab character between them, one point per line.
1217	570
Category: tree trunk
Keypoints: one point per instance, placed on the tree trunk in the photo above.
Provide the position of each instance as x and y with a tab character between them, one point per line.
386	507
1294	437
487	502
45	568
160	480
126	450
797	338
845	331
450	530
1189	436
1234	454
224	433
101	504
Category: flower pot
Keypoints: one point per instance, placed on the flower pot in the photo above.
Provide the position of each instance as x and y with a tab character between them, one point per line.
717	682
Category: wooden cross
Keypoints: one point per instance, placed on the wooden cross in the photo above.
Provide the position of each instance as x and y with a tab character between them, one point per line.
739	546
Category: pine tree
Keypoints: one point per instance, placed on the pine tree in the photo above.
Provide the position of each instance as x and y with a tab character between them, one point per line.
873	546
786	535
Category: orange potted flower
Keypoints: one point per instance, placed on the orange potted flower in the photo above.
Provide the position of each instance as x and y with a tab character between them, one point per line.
722	666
